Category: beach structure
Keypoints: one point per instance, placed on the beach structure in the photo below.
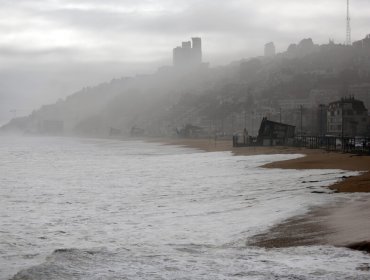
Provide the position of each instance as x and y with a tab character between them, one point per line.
347	117
189	131
136	131
114	131
275	133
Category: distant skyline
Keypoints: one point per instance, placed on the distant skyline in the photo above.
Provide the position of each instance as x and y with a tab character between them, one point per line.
52	48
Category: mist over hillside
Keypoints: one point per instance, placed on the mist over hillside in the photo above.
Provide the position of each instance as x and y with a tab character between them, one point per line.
220	100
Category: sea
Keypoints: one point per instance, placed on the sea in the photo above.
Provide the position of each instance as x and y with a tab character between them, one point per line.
115	209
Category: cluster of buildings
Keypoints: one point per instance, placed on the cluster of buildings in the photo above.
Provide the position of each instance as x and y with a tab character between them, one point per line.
189	54
304	47
307	46
364	43
346	118
322	112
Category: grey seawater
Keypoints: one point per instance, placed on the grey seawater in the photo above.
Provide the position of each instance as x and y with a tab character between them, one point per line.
110	209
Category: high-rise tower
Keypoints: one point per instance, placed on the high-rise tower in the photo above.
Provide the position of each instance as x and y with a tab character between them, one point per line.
348	36
189	54
197	49
270	49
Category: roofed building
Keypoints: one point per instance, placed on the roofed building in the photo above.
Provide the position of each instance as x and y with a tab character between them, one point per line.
347	117
275	133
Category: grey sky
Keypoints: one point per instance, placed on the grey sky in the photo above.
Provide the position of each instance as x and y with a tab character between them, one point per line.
50	48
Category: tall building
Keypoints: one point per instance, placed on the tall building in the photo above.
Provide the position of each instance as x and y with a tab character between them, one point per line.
347	117
270	49
189	54
197	49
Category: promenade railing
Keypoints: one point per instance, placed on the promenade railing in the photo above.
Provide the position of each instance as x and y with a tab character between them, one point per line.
358	145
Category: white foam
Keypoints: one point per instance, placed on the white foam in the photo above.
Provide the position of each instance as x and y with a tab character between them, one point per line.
69	193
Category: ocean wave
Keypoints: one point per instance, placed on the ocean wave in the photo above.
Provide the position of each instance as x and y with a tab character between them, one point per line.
193	261
63	263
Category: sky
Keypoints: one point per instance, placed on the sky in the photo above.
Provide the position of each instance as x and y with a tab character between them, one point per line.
52	48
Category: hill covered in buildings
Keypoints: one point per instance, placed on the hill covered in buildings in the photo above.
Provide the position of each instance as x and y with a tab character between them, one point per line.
287	87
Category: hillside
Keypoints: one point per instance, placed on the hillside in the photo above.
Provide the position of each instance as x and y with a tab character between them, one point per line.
223	99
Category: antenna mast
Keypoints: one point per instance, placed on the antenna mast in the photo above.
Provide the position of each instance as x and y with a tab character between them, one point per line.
348	37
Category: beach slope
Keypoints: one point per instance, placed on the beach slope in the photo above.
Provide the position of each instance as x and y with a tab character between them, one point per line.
345	224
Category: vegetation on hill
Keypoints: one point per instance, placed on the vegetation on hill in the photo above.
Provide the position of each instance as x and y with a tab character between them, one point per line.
218	100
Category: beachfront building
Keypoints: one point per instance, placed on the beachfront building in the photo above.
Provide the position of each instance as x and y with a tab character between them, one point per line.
275	133
347	117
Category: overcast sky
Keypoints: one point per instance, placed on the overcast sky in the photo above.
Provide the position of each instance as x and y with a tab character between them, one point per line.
51	48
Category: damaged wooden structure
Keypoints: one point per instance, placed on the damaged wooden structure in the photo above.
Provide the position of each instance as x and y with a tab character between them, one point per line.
275	133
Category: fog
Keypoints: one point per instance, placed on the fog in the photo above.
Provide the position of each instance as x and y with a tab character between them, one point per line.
87	88
51	49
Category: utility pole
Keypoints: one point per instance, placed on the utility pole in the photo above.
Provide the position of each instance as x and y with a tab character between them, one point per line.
252	123
342	119
280	114
321	120
348	35
245	118
301	119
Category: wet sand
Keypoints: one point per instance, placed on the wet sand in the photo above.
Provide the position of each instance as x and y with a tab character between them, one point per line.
314	159
345	224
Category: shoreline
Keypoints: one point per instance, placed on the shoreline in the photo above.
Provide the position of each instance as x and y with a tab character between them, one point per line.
344	224
313	159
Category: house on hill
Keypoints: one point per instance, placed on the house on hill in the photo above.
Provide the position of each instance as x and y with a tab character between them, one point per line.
364	43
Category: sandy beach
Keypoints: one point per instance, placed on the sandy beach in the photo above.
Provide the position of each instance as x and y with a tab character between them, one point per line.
346	224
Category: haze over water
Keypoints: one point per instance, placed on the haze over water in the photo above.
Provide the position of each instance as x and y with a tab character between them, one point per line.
109	209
